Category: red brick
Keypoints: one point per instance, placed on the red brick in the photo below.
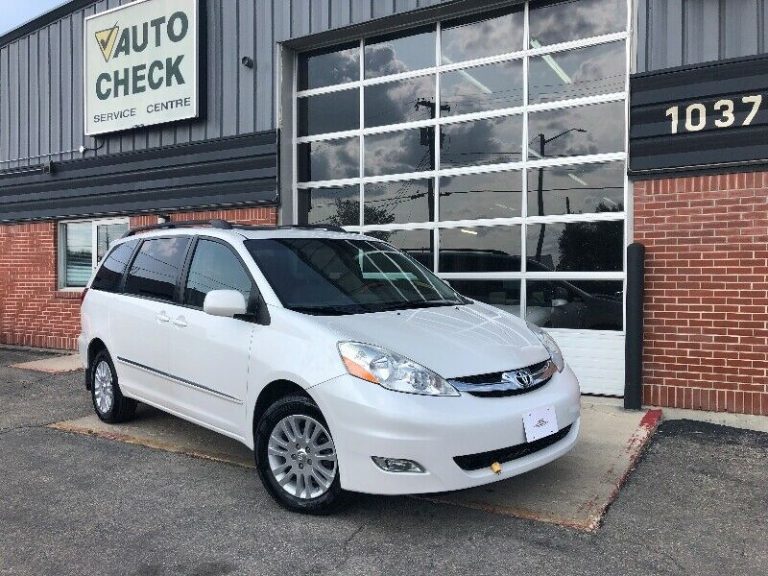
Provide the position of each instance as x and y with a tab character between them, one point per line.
32	311
706	306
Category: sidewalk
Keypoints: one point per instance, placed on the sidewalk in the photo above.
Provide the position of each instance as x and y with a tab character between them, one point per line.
574	491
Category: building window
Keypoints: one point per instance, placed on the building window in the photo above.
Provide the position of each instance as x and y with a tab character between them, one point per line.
491	147
82	244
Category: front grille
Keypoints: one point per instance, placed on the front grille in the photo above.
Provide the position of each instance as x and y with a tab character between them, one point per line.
495	385
485	459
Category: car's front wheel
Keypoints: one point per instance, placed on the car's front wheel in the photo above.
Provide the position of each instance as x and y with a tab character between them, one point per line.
296	457
108	401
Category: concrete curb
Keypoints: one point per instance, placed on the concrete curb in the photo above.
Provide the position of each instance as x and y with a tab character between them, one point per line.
72	428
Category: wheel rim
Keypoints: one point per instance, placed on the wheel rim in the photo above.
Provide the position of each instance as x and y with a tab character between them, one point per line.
302	456
103	391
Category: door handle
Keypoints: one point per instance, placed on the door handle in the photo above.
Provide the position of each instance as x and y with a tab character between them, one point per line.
163	317
181	322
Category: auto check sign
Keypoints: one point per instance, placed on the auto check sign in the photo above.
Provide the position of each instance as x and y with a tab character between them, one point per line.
141	65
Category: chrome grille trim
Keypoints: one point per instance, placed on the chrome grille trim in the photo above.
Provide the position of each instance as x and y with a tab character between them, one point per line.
497	385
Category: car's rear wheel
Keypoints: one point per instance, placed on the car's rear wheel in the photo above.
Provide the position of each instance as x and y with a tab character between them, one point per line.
296	457
108	401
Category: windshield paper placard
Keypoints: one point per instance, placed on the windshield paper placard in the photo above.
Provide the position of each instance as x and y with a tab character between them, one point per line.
141	65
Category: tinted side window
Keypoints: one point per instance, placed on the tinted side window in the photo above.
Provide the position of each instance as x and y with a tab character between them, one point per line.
111	272
156	268
215	267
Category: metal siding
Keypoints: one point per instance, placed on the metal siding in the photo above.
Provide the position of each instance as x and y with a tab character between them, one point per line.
740	32
14	103
676	32
23	92
263	73
47	116
701	31
246	85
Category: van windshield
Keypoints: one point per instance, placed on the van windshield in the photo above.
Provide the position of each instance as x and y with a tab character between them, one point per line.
332	276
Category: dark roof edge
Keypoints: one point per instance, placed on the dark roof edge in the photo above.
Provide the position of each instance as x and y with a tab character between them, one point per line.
44	20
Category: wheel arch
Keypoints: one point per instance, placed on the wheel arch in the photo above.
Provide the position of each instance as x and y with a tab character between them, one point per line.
94	347
270	394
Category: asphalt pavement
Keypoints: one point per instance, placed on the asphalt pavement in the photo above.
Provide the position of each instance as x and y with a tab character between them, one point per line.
73	504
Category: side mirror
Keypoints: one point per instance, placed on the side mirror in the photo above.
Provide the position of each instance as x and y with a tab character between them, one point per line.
225	303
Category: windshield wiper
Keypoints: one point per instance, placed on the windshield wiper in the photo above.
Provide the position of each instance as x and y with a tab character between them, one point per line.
328	310
414	305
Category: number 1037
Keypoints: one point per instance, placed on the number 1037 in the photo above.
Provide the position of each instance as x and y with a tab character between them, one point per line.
694	116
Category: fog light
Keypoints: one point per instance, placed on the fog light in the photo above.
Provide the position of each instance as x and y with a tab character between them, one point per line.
398	465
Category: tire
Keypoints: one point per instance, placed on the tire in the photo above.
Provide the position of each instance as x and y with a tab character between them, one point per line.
108	401
306	488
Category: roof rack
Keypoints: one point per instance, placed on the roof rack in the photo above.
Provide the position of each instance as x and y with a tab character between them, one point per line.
327	227
224	225
220	224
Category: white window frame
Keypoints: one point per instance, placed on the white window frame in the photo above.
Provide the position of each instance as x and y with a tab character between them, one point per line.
524	165
61	252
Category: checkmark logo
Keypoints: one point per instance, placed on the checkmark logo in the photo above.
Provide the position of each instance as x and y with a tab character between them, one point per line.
106	40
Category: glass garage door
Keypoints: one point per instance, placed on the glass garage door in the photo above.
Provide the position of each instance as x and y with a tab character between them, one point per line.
493	149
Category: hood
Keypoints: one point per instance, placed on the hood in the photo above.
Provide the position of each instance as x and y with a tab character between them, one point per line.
453	341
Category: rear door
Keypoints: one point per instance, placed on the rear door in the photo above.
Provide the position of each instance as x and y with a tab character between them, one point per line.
210	354
141	320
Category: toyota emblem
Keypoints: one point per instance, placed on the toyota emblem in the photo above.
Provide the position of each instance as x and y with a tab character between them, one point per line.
518	379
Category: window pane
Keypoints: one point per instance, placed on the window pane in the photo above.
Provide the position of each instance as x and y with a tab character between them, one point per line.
402	101
329	67
482	88
329	159
577	131
106	234
399	152
214	267
486	249
492	34
417	243
156	268
491	141
504	294
577	73
329	113
111	272
577	247
589	304
78	262
336	206
398	202
583	189
495	195
400	53
551	23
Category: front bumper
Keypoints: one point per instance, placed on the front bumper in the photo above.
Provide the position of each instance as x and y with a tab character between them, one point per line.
367	420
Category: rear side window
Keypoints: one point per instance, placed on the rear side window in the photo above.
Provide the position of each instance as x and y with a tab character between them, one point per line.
156	268
111	272
215	267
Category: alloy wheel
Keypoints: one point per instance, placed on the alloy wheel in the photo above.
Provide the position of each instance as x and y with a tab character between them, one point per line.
302	456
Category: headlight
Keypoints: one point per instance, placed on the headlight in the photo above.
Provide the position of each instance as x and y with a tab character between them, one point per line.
554	350
392	371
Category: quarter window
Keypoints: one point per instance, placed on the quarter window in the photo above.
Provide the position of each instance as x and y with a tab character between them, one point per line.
82	245
111	272
215	267
155	270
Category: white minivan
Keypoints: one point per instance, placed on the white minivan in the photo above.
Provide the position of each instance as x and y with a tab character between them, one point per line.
342	362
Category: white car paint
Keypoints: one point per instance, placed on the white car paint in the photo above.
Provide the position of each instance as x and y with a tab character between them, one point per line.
230	361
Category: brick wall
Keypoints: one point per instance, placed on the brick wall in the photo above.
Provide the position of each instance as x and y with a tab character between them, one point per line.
32	311
706	305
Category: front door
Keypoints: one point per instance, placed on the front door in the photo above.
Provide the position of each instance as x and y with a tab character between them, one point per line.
210	354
